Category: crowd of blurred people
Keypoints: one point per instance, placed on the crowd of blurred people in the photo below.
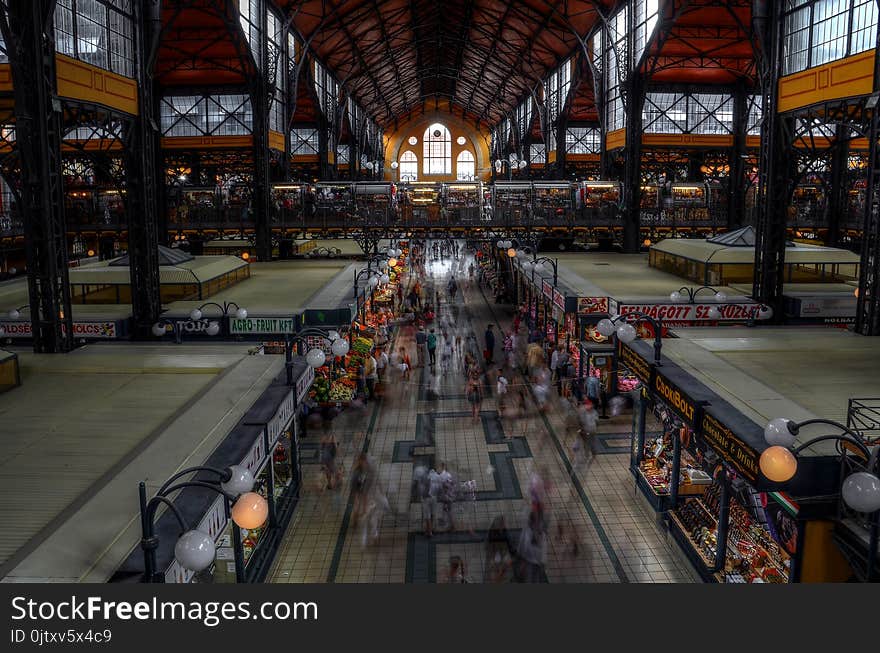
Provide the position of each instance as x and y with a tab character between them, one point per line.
515	369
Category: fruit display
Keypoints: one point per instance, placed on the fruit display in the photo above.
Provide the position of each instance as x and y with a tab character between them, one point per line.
320	391
342	390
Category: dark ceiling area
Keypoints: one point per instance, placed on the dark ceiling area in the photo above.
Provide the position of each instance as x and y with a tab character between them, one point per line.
484	56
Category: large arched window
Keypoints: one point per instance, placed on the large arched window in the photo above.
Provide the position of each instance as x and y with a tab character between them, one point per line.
437	150
409	166
465	169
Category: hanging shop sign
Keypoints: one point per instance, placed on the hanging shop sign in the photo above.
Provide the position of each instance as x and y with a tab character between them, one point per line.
559	300
737	453
547	289
101	330
261	325
303	383
689	313
257	455
587	305
680	403
282	417
640	367
334	317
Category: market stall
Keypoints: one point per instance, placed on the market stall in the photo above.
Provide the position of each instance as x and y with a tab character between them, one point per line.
701	469
265	441
463	201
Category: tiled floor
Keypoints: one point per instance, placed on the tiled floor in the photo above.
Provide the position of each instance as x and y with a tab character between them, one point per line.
595	502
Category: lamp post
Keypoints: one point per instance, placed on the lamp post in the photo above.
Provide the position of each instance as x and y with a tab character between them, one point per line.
860	490
626	333
240	312
512	164
678	296
160	328
315	357
15	313
195	549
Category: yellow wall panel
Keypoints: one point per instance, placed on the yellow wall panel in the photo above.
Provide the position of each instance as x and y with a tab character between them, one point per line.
207	142
687	140
615	139
843	78
5	77
81	81
276	141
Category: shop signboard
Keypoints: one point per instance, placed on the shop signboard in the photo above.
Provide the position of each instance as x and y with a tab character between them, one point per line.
739	455
254	325
330	318
674	397
559	300
97	330
587	305
824	307
282	416
632	361
256	456
547	289
303	383
688	314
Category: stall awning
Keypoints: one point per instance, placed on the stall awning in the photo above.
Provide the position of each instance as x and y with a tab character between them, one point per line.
200	269
706	251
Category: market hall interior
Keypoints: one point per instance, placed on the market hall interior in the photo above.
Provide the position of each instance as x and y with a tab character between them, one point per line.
439	292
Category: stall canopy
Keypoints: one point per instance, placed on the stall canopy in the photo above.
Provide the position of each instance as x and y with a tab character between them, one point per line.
730	258
181	276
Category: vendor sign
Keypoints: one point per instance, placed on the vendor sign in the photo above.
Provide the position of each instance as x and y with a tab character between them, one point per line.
587	305
261	325
559	300
547	289
101	330
690	313
680	403
739	455
635	363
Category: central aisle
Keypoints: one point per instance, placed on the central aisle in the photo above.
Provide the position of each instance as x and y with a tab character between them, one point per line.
427	420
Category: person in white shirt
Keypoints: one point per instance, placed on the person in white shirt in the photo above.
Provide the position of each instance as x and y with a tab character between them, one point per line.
501	390
381	362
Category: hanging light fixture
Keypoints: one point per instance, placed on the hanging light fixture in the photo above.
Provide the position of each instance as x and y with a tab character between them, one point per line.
241	480
195	550
250	511
339	347
315	357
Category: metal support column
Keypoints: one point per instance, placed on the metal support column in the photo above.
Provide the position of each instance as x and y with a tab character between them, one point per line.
837	192
775	173
736	187
259	95
868	306
141	138
38	111
634	97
